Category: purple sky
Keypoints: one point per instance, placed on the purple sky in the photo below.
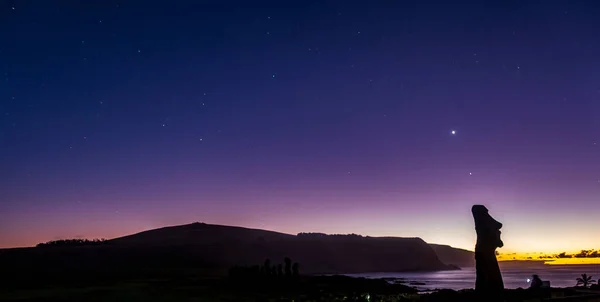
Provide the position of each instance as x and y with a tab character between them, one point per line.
327	116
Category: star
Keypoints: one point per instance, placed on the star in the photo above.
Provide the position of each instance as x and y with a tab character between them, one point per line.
470	173
200	139
453	132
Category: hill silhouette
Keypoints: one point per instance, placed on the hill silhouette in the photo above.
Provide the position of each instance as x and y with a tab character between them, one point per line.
197	234
210	250
320	253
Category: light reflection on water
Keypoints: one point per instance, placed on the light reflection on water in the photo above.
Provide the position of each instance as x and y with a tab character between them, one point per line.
558	275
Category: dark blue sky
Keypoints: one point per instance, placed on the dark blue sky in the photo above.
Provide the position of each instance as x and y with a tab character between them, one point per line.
118	116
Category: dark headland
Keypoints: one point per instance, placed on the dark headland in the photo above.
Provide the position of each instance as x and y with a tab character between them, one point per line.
213	249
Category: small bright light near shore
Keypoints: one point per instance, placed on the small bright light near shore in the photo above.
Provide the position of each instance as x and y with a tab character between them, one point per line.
453	132
528	280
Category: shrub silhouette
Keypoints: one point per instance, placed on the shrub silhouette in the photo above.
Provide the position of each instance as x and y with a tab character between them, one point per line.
295	271
72	242
581	254
584	280
587	254
244	272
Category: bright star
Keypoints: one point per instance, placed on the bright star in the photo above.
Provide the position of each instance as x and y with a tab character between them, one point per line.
453	132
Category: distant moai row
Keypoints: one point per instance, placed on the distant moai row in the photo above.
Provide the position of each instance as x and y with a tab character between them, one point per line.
267	270
278	270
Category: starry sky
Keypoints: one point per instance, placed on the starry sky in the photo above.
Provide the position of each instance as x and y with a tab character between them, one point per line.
370	117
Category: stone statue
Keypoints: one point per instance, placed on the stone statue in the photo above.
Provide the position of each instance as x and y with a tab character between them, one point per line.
489	279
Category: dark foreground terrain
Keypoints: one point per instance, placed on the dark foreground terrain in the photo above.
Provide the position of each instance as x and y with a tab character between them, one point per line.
315	288
190	289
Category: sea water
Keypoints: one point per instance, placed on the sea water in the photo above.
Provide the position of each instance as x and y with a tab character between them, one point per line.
514	277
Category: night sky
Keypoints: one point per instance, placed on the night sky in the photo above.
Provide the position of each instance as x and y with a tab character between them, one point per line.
369	117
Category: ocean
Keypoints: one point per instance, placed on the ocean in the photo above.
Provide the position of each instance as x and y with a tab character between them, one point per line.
514	277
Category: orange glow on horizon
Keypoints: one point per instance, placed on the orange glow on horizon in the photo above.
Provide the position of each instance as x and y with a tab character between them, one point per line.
573	261
548	258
